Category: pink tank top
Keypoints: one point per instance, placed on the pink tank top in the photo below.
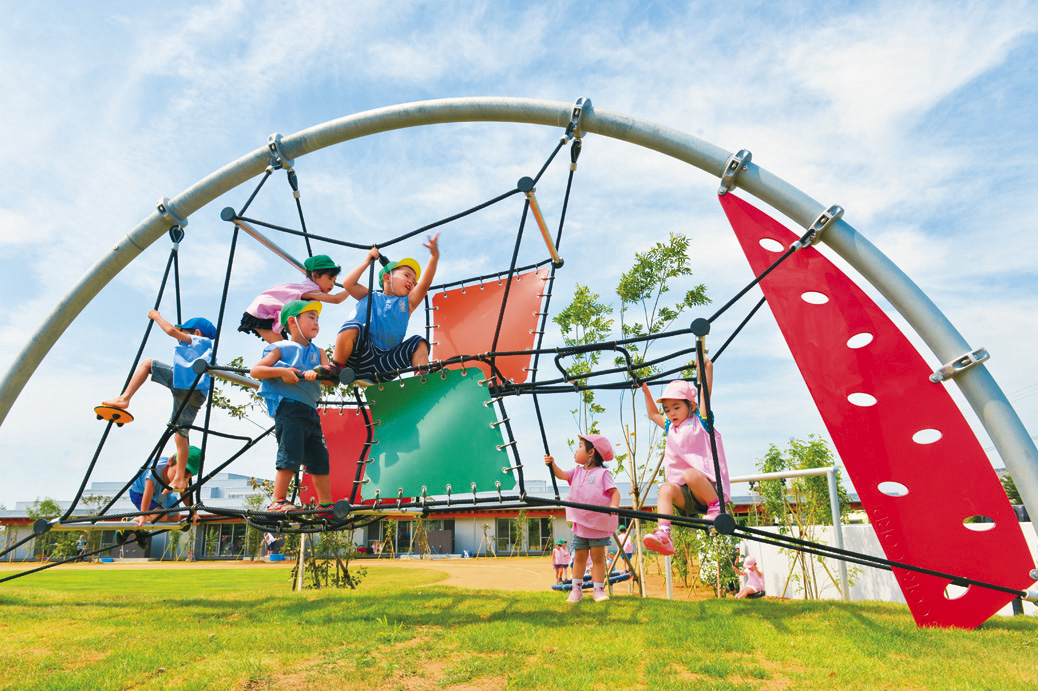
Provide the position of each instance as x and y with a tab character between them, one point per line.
688	446
591	487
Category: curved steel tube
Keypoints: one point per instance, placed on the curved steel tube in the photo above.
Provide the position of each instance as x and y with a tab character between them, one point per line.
1007	432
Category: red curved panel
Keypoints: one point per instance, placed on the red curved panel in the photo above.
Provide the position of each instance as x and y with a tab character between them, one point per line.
892	440
466	319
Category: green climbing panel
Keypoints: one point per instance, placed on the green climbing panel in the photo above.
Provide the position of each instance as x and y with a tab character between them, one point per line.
435	434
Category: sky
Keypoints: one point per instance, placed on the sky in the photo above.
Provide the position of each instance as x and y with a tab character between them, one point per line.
916	118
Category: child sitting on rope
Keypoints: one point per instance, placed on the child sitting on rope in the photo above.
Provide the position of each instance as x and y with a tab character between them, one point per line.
289	385
378	349
262	316
688	462
589	483
754	587
194	342
142	491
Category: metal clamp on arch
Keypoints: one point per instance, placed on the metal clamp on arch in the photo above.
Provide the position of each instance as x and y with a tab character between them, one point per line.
166	211
826	219
573	129
960	364
278	159
736	163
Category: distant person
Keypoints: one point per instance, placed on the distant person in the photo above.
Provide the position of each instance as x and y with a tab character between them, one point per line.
263	317
688	462
288	384
81	545
194	342
754	587
590	483
143	490
379	348
628	543
560	560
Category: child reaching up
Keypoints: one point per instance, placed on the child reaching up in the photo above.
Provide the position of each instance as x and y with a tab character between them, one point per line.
688	462
262	317
194	342
289	385
379	348
589	483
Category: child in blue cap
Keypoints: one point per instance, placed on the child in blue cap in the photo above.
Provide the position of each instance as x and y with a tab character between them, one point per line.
194	341
289	386
142	491
379	348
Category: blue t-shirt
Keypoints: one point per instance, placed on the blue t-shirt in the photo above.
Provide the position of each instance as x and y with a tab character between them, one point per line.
389	315
184	355
276	389
164	500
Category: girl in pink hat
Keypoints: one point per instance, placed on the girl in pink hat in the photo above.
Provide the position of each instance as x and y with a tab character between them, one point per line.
589	483
688	463
754	587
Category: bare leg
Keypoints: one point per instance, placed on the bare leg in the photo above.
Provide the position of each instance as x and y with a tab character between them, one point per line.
421	355
344	344
700	485
179	481
579	558
744	591
598	564
669	497
122	401
323	487
282	478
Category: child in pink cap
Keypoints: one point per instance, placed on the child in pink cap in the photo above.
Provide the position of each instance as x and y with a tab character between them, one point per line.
688	462
589	483
754	587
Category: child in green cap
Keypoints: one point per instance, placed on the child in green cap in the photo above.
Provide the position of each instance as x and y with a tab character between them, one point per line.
378	349
262	316
142	491
289	385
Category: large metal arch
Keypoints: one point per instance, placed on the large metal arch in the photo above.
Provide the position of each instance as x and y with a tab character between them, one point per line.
992	407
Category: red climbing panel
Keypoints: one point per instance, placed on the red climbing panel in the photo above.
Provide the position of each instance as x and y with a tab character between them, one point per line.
345	433
466	319
891	424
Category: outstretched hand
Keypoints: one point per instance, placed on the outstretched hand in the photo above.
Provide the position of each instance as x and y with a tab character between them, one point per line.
373	254
433	245
548	460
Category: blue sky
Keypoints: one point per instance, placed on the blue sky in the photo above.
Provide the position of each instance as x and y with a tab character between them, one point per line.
917	119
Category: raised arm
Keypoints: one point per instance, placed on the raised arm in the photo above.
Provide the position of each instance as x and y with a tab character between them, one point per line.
708	370
171	330
350	282
651	409
556	470
422	287
336	299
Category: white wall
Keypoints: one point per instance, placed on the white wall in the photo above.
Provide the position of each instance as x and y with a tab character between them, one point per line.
869	583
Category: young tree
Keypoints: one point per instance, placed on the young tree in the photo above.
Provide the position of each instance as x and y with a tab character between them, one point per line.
1012	493
583	322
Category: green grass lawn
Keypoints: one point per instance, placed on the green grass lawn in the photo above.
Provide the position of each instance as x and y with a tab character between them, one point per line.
244	629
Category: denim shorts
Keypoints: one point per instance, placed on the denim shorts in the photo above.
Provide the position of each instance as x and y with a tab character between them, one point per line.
297	427
161	373
587	542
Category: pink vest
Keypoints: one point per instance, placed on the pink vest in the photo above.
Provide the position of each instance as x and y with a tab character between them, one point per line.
560	556
268	304
754	581
591	487
688	446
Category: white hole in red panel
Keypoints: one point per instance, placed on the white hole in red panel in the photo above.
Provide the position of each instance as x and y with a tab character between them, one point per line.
954	592
862	400
892	489
979	524
771	245
814	298
927	436
859	340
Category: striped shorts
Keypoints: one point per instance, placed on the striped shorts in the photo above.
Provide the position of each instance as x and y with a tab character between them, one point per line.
368	360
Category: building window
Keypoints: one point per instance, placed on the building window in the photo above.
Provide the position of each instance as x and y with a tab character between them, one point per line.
504	535
225	540
540	535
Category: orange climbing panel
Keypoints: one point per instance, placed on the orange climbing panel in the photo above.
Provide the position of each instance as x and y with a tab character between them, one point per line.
466	318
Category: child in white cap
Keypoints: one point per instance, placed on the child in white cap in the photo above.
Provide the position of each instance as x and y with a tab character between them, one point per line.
754	587
688	463
379	347
589	483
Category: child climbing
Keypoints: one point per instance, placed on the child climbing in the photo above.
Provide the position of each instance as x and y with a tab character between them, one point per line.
688	461
194	342
589	483
142	491
289	385
379	348
262	317
560	560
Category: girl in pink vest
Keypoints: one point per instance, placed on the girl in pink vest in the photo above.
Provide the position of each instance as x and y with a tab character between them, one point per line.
590	483
754	587
688	462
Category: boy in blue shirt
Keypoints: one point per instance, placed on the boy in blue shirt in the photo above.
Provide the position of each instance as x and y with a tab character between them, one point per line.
288	383
194	341
142	491
382	349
